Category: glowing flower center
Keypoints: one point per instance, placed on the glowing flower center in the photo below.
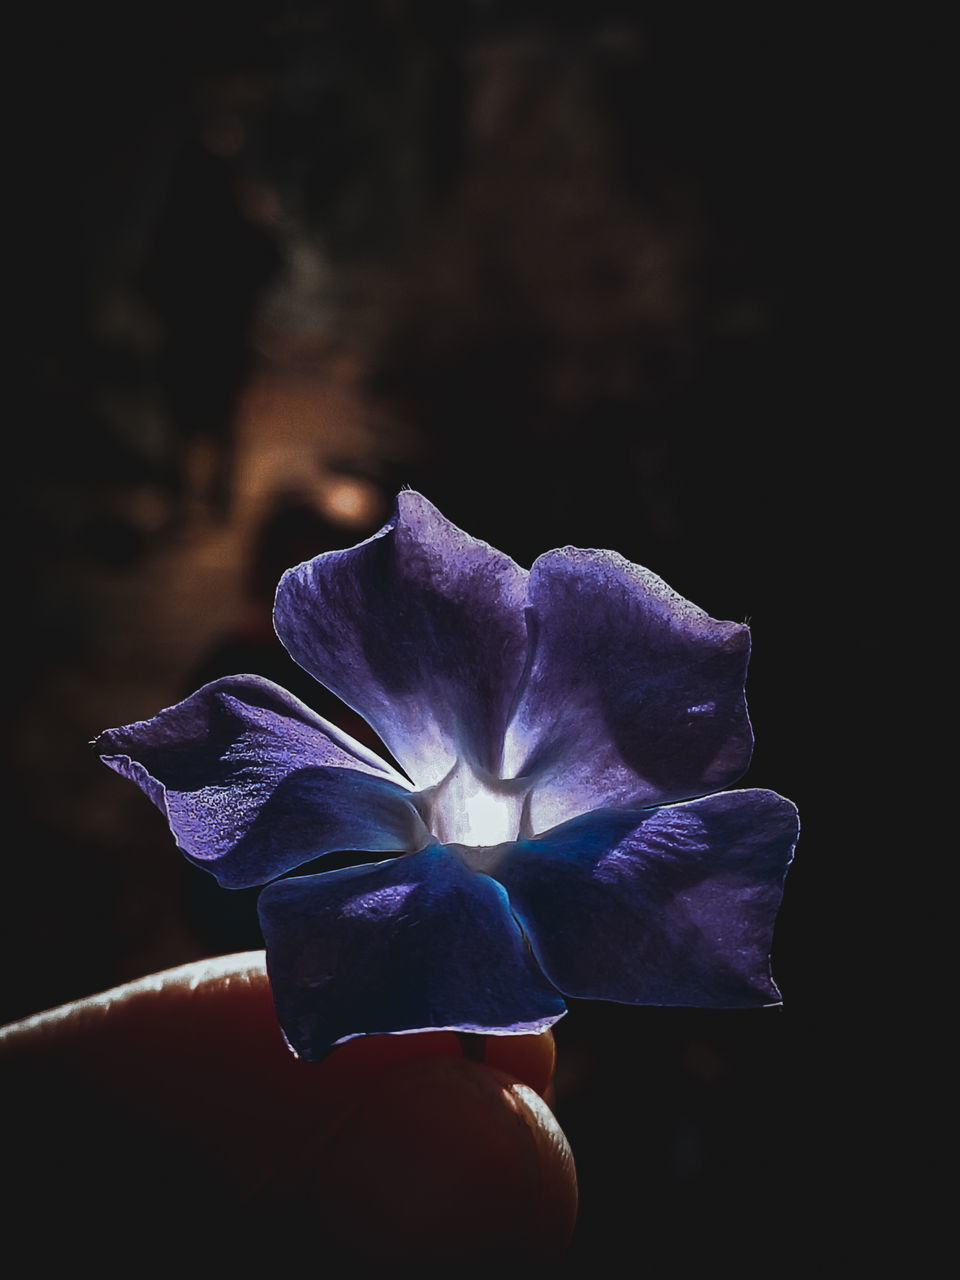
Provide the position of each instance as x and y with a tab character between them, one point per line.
473	809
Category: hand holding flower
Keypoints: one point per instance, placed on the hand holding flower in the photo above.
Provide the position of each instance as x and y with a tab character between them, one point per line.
560	738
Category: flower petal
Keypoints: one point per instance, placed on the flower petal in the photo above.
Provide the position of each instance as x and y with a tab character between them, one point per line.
254	783
418	943
633	696
673	906
421	630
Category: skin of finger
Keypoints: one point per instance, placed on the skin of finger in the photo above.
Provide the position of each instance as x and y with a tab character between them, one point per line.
446	1158
198	1048
223	1008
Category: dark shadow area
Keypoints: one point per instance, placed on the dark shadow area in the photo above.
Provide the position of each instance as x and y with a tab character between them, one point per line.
586	270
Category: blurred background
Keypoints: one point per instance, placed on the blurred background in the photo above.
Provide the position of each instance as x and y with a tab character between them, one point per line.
581	273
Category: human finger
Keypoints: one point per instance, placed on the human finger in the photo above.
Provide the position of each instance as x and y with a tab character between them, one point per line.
194	1056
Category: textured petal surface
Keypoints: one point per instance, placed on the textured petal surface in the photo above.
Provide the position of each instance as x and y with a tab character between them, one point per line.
674	906
633	696
413	944
421	630
253	783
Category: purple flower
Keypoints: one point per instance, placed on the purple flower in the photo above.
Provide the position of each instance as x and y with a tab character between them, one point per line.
555	728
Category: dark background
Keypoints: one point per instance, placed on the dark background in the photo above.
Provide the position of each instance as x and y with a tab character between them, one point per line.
593	274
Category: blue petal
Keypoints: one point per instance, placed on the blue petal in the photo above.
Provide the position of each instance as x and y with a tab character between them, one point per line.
672	906
253	783
632	696
415	944
421	630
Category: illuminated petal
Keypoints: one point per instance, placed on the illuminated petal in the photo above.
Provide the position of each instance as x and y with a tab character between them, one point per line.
673	906
253	783
633	695
421	630
418	943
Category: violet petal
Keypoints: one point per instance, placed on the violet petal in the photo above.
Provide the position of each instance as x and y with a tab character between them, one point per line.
633	696
421	630
418	943
672	906
254	783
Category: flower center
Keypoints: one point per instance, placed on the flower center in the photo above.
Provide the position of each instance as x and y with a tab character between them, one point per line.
473	809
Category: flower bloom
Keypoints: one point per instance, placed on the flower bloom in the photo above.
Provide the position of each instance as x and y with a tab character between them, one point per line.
554	727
